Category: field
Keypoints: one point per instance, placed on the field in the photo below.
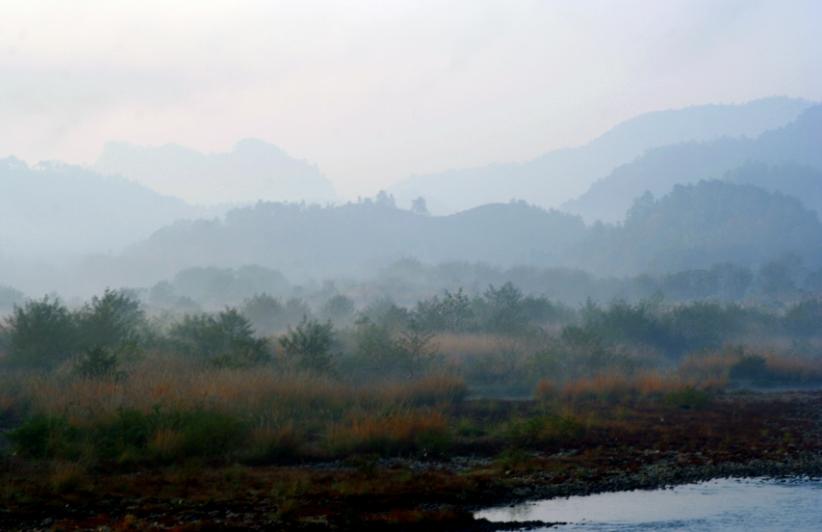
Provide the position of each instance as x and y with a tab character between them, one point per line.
177	446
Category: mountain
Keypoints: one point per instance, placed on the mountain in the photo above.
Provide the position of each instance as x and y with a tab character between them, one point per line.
658	170
254	170
558	176
53	210
799	181
699	225
694	226
305	242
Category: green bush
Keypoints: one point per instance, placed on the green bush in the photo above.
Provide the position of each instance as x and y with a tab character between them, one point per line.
126	435
210	434
308	346
41	334
226	340
687	398
45	437
98	362
111	321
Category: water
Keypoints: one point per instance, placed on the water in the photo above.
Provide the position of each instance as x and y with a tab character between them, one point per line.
724	504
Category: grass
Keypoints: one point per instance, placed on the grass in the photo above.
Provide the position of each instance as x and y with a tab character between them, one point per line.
165	410
161	412
747	366
618	389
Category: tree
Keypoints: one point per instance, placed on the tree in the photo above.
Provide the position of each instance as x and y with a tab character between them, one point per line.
265	313
226	339
384	199
112	321
41	333
505	312
339	308
309	345
419	206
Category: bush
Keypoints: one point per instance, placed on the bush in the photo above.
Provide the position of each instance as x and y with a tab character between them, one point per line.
126	436
687	398
339	309
112	321
44	437
400	351
210	434
41	334
98	362
308	346
226	340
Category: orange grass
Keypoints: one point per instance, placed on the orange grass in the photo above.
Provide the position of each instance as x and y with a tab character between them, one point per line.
391	432
618	387
263	394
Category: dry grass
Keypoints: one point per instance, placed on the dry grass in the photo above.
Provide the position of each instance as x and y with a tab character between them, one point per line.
67	477
618	388
268	397
393	432
459	346
716	367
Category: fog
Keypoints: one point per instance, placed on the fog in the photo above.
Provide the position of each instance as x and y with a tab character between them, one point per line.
372	92
368	265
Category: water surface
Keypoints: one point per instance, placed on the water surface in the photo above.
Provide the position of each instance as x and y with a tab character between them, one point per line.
724	504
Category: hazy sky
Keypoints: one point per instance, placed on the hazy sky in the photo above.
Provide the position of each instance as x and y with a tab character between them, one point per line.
374	91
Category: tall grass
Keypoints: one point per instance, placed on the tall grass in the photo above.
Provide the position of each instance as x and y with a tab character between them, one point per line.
165	410
616	388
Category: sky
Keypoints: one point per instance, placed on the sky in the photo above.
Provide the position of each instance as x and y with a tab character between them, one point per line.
375	91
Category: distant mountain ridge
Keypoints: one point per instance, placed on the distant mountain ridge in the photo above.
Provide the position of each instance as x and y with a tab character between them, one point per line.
58	210
659	169
252	171
698	225
692	227
558	176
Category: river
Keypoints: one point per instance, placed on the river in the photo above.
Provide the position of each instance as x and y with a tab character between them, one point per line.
723	504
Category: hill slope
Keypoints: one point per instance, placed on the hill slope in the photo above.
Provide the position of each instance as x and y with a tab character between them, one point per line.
56	210
254	170
799	142
557	176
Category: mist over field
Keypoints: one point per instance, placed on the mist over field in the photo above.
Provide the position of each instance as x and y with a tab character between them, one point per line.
362	265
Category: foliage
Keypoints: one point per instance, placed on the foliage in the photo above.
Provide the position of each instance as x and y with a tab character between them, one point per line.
112	321
308	346
98	362
42	333
226	339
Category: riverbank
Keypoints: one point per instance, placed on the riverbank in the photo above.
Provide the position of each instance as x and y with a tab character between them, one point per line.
621	447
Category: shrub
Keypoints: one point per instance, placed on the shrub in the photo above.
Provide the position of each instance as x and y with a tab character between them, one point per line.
210	434
111	321
309	346
552	428
688	397
226	340
44	437
98	362
124	436
271	445
503	309
41	334
339	309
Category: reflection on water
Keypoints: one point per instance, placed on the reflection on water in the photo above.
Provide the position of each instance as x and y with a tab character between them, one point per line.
725	504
